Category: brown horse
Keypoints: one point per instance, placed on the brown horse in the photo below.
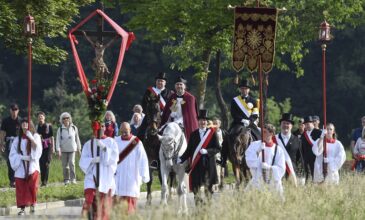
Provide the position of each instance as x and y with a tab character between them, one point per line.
236	154
148	134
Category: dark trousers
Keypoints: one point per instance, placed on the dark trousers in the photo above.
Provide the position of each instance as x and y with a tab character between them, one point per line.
309	169
10	170
44	162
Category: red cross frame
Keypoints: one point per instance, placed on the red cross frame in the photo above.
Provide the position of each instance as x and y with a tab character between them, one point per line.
127	39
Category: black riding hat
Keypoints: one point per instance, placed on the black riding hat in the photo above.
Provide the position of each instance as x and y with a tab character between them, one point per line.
203	114
180	79
244	83
287	117
161	75
308	119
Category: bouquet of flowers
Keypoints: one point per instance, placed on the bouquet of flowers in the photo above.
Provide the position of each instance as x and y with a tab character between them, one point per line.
97	100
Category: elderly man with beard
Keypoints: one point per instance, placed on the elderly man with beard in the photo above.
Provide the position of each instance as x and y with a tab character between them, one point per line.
291	146
182	108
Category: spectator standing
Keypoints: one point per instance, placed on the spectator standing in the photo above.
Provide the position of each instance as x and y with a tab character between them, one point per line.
67	143
46	132
9	131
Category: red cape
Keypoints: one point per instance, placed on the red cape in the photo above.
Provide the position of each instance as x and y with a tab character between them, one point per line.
189	111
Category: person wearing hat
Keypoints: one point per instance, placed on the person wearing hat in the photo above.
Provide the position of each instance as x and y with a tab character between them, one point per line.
181	108
201	150
241	109
291	146
310	135
10	127
26	149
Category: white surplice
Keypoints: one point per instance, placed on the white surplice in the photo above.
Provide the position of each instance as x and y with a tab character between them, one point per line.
253	157
15	157
108	165
336	157
132	171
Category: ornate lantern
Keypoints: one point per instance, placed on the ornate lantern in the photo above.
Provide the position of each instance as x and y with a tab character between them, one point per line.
29	26
325	32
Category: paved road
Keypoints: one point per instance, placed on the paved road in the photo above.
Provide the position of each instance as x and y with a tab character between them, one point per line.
74	212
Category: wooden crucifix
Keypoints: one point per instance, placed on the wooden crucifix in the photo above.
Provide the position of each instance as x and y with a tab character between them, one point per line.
98	64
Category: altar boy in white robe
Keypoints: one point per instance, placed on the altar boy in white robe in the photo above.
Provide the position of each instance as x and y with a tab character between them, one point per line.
104	182
336	156
273	165
25	152
132	167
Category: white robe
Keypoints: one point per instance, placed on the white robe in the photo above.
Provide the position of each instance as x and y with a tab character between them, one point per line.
132	170
336	157
15	158
253	157
108	165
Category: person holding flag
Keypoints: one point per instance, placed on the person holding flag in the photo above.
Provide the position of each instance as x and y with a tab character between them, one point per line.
99	190
202	148
132	167
274	165
291	147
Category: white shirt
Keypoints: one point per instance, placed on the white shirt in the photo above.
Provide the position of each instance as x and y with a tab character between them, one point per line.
132	171
253	157
15	157
336	157
108	165
178	116
202	132
285	138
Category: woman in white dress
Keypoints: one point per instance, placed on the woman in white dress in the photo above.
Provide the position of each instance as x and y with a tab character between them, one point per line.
335	158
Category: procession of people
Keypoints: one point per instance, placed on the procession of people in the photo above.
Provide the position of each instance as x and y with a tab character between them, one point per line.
116	163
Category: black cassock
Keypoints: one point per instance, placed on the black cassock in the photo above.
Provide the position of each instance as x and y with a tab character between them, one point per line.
205	171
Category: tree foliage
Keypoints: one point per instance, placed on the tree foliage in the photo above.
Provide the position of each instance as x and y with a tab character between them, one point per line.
52	18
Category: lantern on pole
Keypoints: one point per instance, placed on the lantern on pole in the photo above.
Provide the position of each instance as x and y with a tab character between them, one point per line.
29	32
324	37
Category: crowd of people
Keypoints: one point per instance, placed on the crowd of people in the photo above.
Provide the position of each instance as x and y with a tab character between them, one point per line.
116	164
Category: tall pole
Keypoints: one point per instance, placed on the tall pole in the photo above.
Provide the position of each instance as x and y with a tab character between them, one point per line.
261	112
324	106
30	40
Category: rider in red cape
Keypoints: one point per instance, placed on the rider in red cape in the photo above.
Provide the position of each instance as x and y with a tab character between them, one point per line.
182	108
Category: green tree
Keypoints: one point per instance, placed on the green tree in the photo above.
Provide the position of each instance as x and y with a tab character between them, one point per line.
52	18
193	30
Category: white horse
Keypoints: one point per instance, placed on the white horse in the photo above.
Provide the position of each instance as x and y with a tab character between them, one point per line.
173	145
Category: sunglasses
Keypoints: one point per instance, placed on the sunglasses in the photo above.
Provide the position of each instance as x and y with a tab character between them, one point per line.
14	109
65	118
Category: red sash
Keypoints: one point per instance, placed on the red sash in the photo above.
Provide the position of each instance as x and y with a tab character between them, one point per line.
307	138
128	149
161	101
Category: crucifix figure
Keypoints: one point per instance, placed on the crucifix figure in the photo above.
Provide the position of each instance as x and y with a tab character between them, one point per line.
98	65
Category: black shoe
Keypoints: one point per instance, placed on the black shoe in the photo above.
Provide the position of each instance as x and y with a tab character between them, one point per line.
12	185
22	212
32	210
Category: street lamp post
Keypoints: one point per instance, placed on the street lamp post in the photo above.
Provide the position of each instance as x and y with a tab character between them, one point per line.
324	37
29	32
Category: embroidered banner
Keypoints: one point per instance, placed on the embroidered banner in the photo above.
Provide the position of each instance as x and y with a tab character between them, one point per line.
254	38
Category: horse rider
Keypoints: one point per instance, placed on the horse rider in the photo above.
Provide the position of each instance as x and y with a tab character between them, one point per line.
202	147
310	135
158	91
292	145
241	109
181	108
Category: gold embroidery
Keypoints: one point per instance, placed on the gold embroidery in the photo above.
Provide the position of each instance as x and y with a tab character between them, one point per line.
254	38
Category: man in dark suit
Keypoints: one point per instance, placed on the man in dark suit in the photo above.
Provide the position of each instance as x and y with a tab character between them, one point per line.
291	144
202	148
310	135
